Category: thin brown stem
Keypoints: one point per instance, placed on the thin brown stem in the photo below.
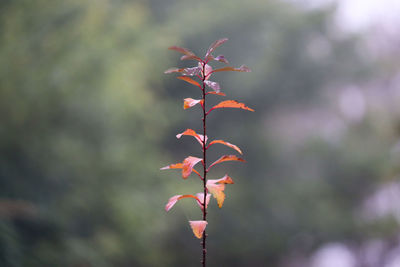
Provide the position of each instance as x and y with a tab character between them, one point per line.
204	165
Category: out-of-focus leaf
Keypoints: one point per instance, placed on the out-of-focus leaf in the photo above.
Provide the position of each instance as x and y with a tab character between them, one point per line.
186	57
242	68
198	228
213	85
190	102
182	50
178	166
189	80
199	137
173	166
171	70
188	165
224	180
191	71
200	196
172	201
227	144
221	58
230	104
227	158
216	93
214	45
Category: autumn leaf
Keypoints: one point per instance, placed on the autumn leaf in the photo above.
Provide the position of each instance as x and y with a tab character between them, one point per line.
173	166
171	70
214	45
208	70
215	93
179	166
199	137
190	102
227	144
189	80
217	187
198	228
221	58
213	85
200	196
191	71
230	104
188	165
224	180
182	50
189	57
226	158
242	68
172	201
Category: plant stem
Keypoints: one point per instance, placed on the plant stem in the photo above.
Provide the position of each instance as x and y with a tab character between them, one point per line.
204	164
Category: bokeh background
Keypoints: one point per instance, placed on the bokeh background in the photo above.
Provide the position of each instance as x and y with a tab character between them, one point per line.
88	118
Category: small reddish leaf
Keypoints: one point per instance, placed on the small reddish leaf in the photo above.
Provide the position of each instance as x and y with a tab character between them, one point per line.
198	228
213	85
230	104
214	45
171	70
208	70
216	93
173	166
191	71
190	102
179	166
189	80
186	57
188	165
200	196
172	201
242	68
227	158
224	180
182	50
199	137
227	144
221	58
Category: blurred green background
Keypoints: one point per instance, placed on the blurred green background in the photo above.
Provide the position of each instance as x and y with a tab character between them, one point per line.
88	118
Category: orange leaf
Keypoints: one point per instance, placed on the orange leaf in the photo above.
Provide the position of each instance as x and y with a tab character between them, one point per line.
230	104
215	93
227	144
172	201
217	190
199	137
224	180
198	228
227	158
178	166
188	165
190	102
173	166
200	196
217	187
242	68
171	70
189	80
